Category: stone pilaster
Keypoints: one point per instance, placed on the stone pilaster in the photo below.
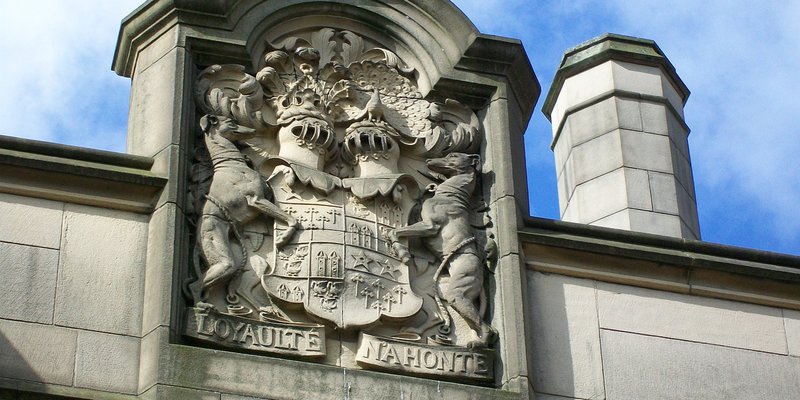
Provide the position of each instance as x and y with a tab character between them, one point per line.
620	140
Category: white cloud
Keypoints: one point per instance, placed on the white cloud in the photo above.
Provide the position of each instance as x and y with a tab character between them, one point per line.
57	81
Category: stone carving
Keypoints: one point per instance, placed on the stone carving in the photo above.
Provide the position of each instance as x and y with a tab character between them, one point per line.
310	207
445	227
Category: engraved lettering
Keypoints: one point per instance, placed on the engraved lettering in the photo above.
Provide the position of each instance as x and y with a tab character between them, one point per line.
411	354
202	329
313	342
218	324
429	359
237	329
480	364
248	333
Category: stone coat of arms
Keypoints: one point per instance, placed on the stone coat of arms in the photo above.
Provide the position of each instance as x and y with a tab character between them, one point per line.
329	194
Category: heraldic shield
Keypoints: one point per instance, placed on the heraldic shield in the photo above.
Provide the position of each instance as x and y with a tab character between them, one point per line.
340	264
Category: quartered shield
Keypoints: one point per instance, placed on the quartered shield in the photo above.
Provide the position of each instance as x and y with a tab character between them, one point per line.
340	263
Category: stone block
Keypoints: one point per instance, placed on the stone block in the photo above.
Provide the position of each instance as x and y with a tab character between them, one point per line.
596	157
629	115
618	220
509	314
571	211
671	94
30	221
28	284
505	218
250	375
163	249
235	397
602	196
593	121
655	223
563	194
678	134
107	362
165	392
637	184
645	367
565	337
171	163
683	171
542	396
664	193
563	147
101	271
156	49
654	117
692	318
582	87
40	353
155	103
646	151
687	208
637	78
792	321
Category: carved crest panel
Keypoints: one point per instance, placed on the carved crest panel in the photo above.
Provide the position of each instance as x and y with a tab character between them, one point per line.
330	195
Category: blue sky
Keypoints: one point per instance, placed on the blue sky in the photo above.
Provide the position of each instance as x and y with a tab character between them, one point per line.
739	58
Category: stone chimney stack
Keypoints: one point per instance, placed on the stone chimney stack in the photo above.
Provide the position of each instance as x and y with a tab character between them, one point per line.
620	140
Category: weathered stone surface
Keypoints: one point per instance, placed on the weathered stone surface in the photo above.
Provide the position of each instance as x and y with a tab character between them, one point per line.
593	121
28	284
663	192
580	88
697	319
792	321
565	338
644	367
542	396
596	157
655	223
638	78
646	151
37	352
155	103
30	221
601	196
160	392
163	247
628	114
654	117
639	189
101	270
107	362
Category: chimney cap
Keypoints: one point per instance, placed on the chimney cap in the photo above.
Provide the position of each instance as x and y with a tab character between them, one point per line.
610	46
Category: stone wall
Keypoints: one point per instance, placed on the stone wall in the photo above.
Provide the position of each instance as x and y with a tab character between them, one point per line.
71	294
599	334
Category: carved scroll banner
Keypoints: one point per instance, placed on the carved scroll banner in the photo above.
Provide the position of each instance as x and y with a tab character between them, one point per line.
301	340
426	360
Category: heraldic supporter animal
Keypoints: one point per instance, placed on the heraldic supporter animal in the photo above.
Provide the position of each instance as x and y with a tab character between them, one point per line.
237	195
445	230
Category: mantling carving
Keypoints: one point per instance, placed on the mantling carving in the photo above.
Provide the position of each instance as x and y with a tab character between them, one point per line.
315	212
